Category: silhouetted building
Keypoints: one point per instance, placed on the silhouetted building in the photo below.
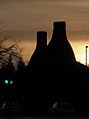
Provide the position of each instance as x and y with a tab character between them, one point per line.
59	49
54	74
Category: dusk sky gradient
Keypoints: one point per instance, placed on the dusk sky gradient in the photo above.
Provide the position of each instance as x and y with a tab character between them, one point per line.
26	17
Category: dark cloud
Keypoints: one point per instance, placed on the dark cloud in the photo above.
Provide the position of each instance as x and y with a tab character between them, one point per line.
33	15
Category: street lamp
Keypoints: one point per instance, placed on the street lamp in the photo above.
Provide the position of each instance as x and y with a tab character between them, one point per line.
86	55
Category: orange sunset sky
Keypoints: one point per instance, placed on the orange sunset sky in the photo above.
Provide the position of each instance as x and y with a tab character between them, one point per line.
26	17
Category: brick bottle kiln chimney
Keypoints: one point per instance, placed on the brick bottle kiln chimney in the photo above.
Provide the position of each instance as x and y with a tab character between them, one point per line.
41	45
59	49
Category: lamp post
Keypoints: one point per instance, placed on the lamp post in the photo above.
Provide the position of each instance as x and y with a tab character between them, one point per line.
86	55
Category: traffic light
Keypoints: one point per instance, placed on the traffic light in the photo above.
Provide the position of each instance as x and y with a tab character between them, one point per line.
11	82
7	82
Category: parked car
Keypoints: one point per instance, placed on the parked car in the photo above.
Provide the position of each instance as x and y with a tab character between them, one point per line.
10	108
61	107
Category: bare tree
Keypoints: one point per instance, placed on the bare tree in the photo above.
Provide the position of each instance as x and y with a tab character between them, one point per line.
10	52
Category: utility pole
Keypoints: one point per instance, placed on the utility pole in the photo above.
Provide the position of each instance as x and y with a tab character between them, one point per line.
86	55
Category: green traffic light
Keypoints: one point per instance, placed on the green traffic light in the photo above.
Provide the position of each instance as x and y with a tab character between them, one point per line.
11	82
6	81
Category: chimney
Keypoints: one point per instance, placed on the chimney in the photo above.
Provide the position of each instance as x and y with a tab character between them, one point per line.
59	25
41	39
39	53
59	31
59	49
